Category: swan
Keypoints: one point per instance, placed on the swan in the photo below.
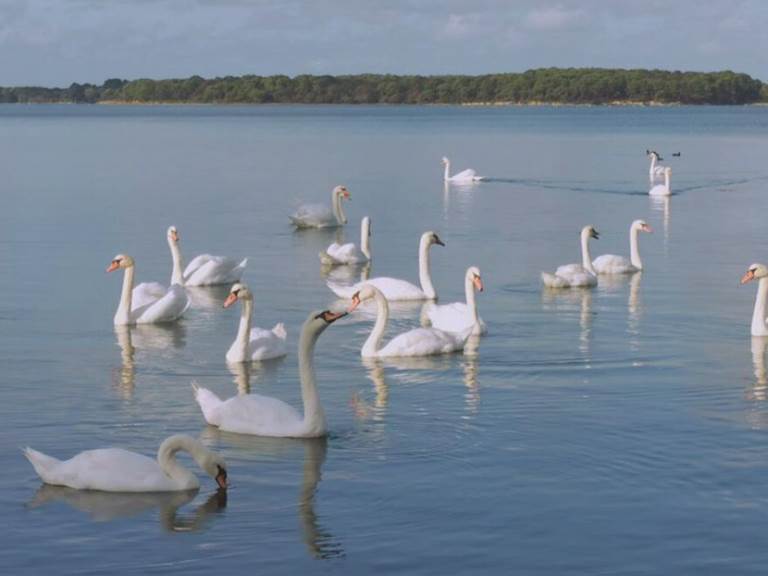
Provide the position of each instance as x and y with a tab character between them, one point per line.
460	316
253	343
265	416
758	272
319	216
395	289
416	342
203	270
656	171
463	177
118	470
612	264
575	275
662	189
337	254
149	302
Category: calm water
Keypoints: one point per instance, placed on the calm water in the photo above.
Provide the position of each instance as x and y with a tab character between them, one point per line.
622	430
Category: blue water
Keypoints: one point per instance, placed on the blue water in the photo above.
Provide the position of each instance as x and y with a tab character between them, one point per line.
621	430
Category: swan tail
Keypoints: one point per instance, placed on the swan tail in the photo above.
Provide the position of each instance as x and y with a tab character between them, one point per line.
552	281
208	402
326	259
279	331
42	463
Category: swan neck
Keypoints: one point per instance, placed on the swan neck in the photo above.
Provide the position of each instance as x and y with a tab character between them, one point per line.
469	291
425	278
634	250
314	417
176	274
123	314
244	328
447	173
338	210
166	457
759	327
586	259
365	239
666	180
373	343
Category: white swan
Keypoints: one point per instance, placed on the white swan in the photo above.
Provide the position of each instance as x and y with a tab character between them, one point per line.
118	470
759	322
253	343
612	264
416	342
265	416
463	177
656	171
205	269
662	189
319	215
395	289
575	275
461	316
337	254
149	302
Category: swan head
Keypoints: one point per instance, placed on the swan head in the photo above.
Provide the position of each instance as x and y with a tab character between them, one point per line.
367	292
432	238
215	467
173	234
239	291
318	321
590	232
120	262
754	272
642	226
445	160
653	153
342	191
473	272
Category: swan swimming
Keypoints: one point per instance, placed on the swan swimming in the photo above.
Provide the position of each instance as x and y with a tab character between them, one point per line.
319	215
461	316
656	171
266	416
575	275
758	272
118	470
662	189
464	177
149	302
338	254
205	269
253	344
613	264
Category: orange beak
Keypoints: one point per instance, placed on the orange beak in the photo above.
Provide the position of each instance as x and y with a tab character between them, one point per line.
175	236
114	266
221	480
748	277
347	195
478	282
647	228
355	303
231	299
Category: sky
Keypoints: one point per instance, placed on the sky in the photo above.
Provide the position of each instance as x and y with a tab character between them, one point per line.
57	42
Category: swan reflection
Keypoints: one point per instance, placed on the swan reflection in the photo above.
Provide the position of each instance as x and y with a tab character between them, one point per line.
566	300
244	374
109	506
758	391
661	204
377	411
346	274
470	365
209	298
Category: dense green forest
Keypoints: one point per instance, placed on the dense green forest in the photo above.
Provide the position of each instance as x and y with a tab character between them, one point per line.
547	85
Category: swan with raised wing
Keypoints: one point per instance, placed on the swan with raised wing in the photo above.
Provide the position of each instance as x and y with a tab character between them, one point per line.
319	215
758	272
461	316
464	177
253	344
395	289
663	189
118	470
656	171
575	275
266	416
416	342
613	264
205	269
338	254
149	302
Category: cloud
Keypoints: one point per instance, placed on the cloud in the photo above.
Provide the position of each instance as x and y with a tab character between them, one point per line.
552	18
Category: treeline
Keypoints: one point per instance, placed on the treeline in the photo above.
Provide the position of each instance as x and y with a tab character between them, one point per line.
548	85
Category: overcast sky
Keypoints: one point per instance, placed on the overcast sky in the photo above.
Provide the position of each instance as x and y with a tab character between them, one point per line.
56	42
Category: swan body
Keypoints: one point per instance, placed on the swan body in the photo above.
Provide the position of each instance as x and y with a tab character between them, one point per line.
461	316
575	275
663	189
149	302
337	254
319	215
253	344
118	470
395	289
464	177
656	171
613	264
416	342
758	272
265	416
205	269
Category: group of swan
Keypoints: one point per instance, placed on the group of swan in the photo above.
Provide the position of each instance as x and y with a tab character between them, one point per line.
585	274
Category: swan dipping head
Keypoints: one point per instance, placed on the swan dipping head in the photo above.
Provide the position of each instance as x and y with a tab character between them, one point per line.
173	234
343	192
642	226
754	272
239	291
477	281
215	467
120	262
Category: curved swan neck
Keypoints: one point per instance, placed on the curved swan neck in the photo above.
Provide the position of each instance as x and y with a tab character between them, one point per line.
123	314
634	250
314	417
365	238
338	210
176	274
166	457
759	327
373	343
586	259
469	291
425	278
244	328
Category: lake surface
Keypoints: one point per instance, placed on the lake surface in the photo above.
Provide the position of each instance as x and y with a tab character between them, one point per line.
620	430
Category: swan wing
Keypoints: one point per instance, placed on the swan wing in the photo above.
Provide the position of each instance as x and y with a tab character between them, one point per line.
393	289
259	415
145	294
168	308
612	264
265	344
313	216
659	190
345	253
455	317
214	270
466	175
423	342
569	278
